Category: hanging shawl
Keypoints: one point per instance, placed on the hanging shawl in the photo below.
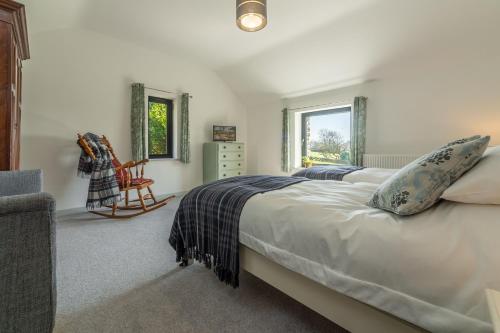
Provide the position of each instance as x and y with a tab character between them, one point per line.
103	186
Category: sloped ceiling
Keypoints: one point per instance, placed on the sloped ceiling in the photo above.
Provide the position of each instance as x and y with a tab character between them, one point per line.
308	46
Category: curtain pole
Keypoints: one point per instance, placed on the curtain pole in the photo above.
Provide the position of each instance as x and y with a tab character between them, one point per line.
165	91
332	104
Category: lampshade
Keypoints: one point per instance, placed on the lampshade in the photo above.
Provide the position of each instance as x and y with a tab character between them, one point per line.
251	15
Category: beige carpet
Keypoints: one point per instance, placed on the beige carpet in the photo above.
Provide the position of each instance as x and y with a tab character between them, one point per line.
121	276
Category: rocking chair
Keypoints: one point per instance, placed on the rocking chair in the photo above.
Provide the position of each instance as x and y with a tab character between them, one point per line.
127	182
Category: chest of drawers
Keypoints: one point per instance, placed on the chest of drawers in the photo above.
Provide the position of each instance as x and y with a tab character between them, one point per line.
223	160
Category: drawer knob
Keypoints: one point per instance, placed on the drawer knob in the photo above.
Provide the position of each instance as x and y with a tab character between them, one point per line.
224	147
224	175
224	165
239	164
239	155
239	147
224	156
239	173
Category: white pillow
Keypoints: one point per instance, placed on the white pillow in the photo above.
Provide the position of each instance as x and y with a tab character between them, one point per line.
481	185
490	149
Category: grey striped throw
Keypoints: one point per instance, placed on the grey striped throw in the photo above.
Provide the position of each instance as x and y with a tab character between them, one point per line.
206	225
327	172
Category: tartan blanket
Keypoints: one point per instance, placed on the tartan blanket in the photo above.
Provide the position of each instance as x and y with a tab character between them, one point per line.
103	186
206	225
327	172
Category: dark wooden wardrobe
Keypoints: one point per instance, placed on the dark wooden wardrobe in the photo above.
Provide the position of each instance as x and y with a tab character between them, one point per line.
13	49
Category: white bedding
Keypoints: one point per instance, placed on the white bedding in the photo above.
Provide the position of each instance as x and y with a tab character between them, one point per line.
430	269
369	175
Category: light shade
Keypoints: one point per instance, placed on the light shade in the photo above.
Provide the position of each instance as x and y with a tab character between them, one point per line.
251	15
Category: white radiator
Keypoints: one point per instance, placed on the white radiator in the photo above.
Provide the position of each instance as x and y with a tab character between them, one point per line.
387	161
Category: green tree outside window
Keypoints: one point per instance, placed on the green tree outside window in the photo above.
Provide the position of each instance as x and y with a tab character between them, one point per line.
157	125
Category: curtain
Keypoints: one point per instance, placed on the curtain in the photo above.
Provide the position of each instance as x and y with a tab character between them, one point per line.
138	129
358	133
185	152
285	142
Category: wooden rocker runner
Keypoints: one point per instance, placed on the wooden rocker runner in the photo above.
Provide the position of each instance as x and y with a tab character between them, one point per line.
127	182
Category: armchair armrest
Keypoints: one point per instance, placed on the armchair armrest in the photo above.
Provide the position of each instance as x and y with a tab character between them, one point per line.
131	164
27	256
144	161
24	203
126	174
20	182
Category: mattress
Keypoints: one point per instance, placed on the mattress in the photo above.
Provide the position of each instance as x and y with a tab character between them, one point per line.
430	269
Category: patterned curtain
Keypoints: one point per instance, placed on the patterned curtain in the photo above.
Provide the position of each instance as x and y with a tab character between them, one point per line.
138	129
285	142
358	133
185	151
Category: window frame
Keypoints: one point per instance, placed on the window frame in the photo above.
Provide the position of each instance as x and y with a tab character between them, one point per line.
170	127
304	115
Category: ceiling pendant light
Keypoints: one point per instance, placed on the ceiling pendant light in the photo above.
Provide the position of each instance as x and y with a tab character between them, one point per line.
251	15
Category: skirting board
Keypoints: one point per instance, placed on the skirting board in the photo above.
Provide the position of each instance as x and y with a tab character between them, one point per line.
345	311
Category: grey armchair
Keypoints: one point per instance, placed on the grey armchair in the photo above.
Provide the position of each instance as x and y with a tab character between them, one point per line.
27	254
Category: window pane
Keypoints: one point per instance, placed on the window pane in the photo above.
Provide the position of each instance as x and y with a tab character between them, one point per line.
327	137
157	129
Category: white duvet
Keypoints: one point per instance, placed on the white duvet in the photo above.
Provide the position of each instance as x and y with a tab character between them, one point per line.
369	175
430	269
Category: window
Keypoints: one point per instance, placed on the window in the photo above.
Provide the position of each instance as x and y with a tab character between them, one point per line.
160	127
326	136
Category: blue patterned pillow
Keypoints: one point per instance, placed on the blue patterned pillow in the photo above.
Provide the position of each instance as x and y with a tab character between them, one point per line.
419	185
464	140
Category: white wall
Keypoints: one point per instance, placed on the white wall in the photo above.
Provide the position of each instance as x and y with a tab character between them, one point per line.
264	139
415	105
79	81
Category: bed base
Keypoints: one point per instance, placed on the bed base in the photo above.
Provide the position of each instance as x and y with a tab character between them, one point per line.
345	311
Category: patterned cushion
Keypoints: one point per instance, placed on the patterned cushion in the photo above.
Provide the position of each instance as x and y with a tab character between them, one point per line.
464	140
420	184
121	175
140	181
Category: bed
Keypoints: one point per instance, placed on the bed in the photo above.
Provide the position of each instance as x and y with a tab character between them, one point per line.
365	269
429	270
369	175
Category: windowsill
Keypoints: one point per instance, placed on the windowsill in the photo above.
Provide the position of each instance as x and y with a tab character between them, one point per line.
163	159
314	165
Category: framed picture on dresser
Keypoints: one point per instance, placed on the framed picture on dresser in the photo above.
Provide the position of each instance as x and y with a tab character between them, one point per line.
224	133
